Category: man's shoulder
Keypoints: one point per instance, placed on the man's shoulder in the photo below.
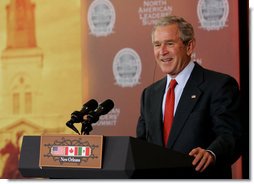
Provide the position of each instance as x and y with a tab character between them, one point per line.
211	74
157	84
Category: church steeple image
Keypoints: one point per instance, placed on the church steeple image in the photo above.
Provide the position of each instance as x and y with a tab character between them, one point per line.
22	60
20	24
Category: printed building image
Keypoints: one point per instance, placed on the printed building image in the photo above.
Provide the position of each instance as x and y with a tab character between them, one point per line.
40	72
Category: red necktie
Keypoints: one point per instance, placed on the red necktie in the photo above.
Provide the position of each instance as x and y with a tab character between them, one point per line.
169	110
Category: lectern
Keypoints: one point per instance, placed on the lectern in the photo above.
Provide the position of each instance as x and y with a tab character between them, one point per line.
122	157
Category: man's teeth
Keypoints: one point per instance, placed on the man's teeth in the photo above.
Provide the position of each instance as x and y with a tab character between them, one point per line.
166	59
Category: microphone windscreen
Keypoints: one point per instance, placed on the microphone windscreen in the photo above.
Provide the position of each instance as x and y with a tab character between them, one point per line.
89	106
107	105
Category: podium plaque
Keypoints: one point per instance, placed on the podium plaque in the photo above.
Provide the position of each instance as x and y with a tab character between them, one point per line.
77	151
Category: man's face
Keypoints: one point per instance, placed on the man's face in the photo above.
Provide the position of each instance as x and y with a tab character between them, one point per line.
169	51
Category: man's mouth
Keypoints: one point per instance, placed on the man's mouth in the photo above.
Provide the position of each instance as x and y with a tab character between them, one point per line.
166	60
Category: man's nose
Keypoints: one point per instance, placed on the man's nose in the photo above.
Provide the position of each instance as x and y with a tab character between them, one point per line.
163	49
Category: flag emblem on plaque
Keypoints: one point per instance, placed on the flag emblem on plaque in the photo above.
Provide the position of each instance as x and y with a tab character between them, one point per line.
77	151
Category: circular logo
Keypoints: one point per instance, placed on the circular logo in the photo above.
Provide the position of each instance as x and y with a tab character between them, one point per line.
213	14
101	17
127	68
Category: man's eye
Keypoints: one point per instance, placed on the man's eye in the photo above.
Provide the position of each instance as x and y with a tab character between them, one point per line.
156	45
170	43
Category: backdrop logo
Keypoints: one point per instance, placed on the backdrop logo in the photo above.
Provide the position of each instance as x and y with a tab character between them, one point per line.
127	68
152	10
213	14
101	17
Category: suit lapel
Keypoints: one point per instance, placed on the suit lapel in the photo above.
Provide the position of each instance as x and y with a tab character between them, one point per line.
189	98
156	111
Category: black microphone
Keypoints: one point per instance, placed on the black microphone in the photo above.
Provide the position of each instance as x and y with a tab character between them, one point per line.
77	116
102	109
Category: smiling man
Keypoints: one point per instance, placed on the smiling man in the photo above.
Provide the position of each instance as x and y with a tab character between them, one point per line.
191	110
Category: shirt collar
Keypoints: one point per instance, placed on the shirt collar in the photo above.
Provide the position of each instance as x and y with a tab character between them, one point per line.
183	76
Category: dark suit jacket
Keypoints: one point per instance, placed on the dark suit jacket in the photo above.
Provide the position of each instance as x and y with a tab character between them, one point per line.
210	120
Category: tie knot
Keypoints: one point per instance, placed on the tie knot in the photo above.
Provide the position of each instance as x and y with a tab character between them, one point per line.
172	84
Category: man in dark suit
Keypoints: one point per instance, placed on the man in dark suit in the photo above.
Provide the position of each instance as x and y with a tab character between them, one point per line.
206	122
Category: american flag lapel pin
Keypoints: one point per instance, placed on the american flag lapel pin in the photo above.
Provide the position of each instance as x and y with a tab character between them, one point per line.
193	96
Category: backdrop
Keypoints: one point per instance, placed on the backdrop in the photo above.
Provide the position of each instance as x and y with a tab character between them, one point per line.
117	53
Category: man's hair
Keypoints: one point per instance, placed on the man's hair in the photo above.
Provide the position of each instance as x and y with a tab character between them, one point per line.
186	29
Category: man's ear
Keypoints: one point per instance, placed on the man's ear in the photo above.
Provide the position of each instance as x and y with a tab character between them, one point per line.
190	47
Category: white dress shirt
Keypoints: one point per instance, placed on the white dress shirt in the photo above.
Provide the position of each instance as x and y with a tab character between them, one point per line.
181	80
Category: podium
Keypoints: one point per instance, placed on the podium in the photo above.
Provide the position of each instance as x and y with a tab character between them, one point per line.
122	158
